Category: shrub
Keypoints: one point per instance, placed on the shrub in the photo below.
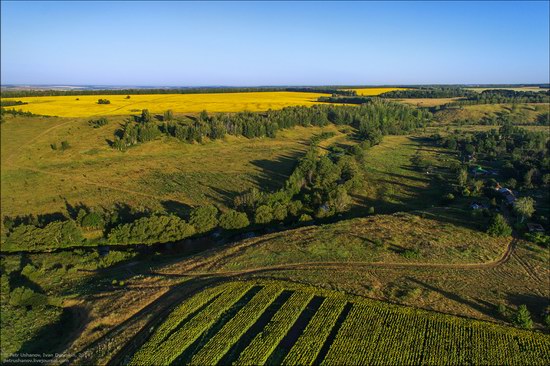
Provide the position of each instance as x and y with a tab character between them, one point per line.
96	123
411	253
65	145
204	218
449	197
305	218
539	238
92	220
371	210
103	101
233	220
499	227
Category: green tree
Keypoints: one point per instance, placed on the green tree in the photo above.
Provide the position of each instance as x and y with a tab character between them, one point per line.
204	218
263	214
280	211
499	227
232	219
524	207
523	317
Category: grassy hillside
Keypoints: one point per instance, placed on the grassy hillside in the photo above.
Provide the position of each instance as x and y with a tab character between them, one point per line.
87	106
37	179
398	238
527	113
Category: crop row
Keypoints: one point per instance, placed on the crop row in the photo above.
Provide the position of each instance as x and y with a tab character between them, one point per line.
266	341
308	346
179	315
378	336
180	339
219	344
258	327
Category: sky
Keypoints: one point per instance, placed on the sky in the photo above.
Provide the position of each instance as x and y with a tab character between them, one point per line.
274	43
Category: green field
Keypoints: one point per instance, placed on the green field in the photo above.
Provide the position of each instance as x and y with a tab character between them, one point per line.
161	175
266	322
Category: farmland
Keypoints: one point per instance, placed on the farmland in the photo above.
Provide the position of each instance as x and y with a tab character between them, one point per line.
271	322
87	105
374	91
399	239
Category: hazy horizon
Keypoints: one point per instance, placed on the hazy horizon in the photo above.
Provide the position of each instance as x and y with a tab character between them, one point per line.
274	43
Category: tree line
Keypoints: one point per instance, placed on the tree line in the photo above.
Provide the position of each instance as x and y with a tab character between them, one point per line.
500	96
369	119
447	92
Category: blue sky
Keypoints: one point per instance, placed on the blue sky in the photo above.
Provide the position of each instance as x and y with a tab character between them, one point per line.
274	43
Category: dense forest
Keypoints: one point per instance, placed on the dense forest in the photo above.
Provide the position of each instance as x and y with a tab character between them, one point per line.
190	90
447	92
499	96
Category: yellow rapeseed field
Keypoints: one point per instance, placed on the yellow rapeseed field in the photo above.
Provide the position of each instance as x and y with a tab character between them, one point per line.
86	105
375	91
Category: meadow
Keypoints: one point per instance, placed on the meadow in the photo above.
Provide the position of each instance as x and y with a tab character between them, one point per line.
87	106
270	322
398	238
159	175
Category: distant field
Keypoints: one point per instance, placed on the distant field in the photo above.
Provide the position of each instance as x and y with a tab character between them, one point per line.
159	174
527	112
86	106
277	322
375	91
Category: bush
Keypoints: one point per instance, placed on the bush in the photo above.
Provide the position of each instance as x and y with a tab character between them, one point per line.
411	253
204	218
305	218
539	238
92	220
263	215
499	227
96	123
371	210
65	145
233	220
448	198
103	101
